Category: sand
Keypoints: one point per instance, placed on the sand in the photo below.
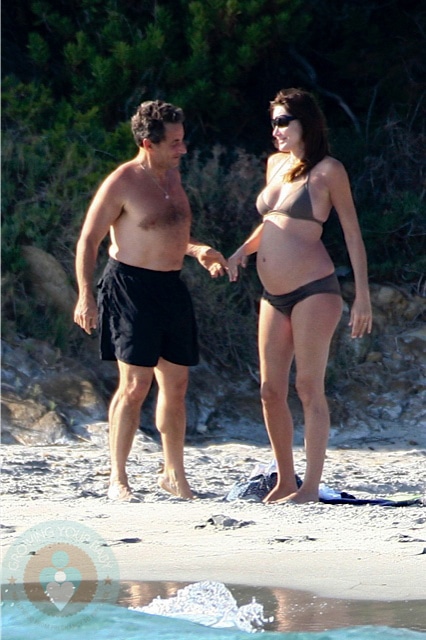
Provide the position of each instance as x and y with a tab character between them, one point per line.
355	552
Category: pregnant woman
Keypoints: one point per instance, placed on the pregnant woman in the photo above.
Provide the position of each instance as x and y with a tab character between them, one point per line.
301	303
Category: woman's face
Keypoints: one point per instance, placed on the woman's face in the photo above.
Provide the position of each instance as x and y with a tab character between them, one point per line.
288	134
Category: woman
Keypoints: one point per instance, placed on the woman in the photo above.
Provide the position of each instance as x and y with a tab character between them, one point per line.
301	304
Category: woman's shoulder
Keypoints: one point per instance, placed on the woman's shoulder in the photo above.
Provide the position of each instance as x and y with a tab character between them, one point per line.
277	158
276	162
331	169
329	164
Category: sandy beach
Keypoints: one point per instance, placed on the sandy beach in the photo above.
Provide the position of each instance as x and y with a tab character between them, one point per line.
346	551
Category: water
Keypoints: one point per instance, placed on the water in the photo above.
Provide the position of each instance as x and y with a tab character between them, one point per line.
212	611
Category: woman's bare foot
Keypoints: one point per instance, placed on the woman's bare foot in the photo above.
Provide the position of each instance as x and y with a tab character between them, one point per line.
179	488
298	497
279	492
120	492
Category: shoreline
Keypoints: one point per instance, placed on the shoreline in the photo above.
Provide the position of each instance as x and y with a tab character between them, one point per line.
353	552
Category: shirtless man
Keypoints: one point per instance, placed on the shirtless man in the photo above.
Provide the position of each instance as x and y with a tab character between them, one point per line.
145	313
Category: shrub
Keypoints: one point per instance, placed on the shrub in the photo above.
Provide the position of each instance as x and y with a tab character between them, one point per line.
222	188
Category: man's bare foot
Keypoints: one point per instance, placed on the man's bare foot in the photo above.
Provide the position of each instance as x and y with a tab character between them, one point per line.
121	493
180	489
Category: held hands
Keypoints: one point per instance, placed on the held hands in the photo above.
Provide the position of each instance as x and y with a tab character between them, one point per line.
361	319
213	261
216	264
237	259
86	314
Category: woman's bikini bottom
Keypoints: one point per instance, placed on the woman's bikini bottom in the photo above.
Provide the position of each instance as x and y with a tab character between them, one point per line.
287	301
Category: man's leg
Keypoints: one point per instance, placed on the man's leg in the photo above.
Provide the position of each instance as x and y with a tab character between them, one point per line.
172	382
124	418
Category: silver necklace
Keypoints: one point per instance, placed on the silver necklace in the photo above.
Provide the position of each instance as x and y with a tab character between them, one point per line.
166	195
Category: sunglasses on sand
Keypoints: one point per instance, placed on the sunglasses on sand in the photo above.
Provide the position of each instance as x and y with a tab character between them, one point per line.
282	121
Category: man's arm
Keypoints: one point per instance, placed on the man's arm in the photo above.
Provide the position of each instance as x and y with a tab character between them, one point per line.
208	257
103	211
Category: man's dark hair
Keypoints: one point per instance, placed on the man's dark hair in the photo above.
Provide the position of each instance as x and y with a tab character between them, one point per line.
150	118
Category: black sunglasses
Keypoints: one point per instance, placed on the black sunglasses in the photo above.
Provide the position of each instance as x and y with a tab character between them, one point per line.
282	121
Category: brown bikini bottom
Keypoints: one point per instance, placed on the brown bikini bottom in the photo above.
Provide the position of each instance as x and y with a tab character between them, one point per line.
287	301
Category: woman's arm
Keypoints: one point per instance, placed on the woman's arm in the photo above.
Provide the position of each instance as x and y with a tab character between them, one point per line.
341	198
251	245
239	258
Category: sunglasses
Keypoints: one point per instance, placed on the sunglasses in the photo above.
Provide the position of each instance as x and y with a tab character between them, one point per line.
282	121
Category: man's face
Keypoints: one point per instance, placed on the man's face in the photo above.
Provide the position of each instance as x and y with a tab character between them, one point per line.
169	151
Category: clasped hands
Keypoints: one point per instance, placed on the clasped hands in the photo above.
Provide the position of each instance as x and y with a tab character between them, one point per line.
217	265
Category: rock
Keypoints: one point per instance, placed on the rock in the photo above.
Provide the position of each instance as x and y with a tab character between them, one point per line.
45	397
28	423
376	387
17	415
387	297
52	428
48	280
374	356
94	432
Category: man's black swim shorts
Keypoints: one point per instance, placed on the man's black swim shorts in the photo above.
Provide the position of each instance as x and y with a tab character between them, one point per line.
145	315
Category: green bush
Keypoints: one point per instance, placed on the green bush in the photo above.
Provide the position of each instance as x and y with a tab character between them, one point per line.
74	73
222	187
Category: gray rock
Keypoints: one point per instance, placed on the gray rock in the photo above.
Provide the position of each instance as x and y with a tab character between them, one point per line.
376	386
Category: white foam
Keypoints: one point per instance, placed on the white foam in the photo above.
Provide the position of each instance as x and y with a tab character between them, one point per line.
210	604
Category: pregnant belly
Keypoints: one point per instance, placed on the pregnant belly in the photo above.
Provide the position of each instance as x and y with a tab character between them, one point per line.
284	266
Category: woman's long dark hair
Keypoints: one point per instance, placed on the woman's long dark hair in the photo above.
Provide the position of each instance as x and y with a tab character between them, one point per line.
302	105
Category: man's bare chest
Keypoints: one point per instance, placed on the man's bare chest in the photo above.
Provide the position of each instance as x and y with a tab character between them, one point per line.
152	213
167	215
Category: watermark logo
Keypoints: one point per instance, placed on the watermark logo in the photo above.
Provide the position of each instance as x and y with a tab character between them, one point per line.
58	573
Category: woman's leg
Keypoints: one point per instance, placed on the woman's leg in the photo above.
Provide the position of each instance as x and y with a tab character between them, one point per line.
314	321
276	355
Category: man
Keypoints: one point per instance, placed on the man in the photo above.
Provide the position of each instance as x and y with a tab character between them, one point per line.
146	320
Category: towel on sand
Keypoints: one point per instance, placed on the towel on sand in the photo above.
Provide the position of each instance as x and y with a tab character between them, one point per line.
264	477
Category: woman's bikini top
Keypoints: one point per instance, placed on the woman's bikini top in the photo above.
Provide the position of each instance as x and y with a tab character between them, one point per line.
297	204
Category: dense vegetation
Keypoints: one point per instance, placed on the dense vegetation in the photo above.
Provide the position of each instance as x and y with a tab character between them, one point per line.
74	72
